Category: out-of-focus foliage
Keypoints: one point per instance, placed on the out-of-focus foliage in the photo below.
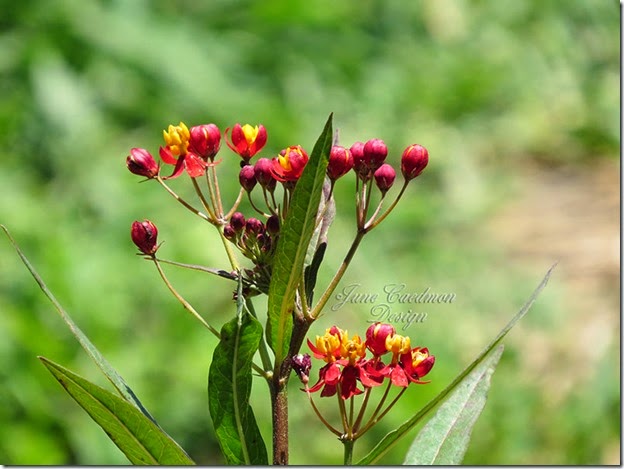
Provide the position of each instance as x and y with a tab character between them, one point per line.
487	86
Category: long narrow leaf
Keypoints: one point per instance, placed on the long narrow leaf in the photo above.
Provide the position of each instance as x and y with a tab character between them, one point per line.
229	387
118	382
445	438
392	437
293	245
138	437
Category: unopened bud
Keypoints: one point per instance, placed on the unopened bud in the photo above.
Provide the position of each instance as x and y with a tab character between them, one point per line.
376	336
414	160
301	364
254	225
247	178
340	162
205	141
141	162
264	174
144	235
237	221
375	152
273	224
384	177
229	232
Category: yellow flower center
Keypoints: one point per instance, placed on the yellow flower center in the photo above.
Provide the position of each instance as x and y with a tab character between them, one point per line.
284	162
177	139
353	349
250	133
397	344
329	343
418	357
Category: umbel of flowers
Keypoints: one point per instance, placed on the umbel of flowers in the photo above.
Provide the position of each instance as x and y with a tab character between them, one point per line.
349	371
353	366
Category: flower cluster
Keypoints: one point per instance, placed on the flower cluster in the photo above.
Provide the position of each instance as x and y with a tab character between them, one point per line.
348	372
193	150
347	366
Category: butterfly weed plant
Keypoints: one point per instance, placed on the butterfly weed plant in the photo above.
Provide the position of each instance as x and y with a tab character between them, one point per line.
275	251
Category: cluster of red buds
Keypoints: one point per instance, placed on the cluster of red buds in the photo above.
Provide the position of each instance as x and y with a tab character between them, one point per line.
348	371
194	150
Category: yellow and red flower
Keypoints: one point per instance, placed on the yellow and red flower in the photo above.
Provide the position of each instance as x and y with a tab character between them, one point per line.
246	140
176	152
346	363
289	164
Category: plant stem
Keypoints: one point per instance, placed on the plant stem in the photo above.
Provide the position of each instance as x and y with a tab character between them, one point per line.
228	249
348	451
279	403
185	303
183	202
236	204
373	223
334	283
203	200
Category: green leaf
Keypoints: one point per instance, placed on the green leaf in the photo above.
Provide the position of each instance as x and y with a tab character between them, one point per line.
229	387
293	245
445	438
388	441
118	382
138	437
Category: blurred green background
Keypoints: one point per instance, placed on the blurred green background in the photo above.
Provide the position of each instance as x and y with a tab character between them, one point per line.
518	104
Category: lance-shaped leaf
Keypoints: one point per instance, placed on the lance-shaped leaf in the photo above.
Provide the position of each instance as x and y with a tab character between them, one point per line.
229	387
388	441
139	438
115	378
444	439
293	243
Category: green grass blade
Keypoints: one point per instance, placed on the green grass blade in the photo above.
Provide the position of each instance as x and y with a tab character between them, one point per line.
445	438
293	243
388	441
118	382
138	437
229	388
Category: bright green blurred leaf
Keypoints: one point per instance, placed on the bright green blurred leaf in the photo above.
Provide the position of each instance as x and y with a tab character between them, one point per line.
293	243
229	388
391	438
139	438
445	438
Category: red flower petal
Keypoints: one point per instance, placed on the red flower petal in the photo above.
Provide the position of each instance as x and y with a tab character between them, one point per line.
195	166
398	377
166	156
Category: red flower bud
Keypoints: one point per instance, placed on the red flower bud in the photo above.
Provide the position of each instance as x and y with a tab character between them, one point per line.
246	140
357	152
247	178
144	235
384	177
141	162
340	162
376	336
264	174
301	364
289	164
254	225
414	161
273	224
205	141
237	221
375	152
229	233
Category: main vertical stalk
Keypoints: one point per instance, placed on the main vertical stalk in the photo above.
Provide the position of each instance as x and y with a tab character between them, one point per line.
279	403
